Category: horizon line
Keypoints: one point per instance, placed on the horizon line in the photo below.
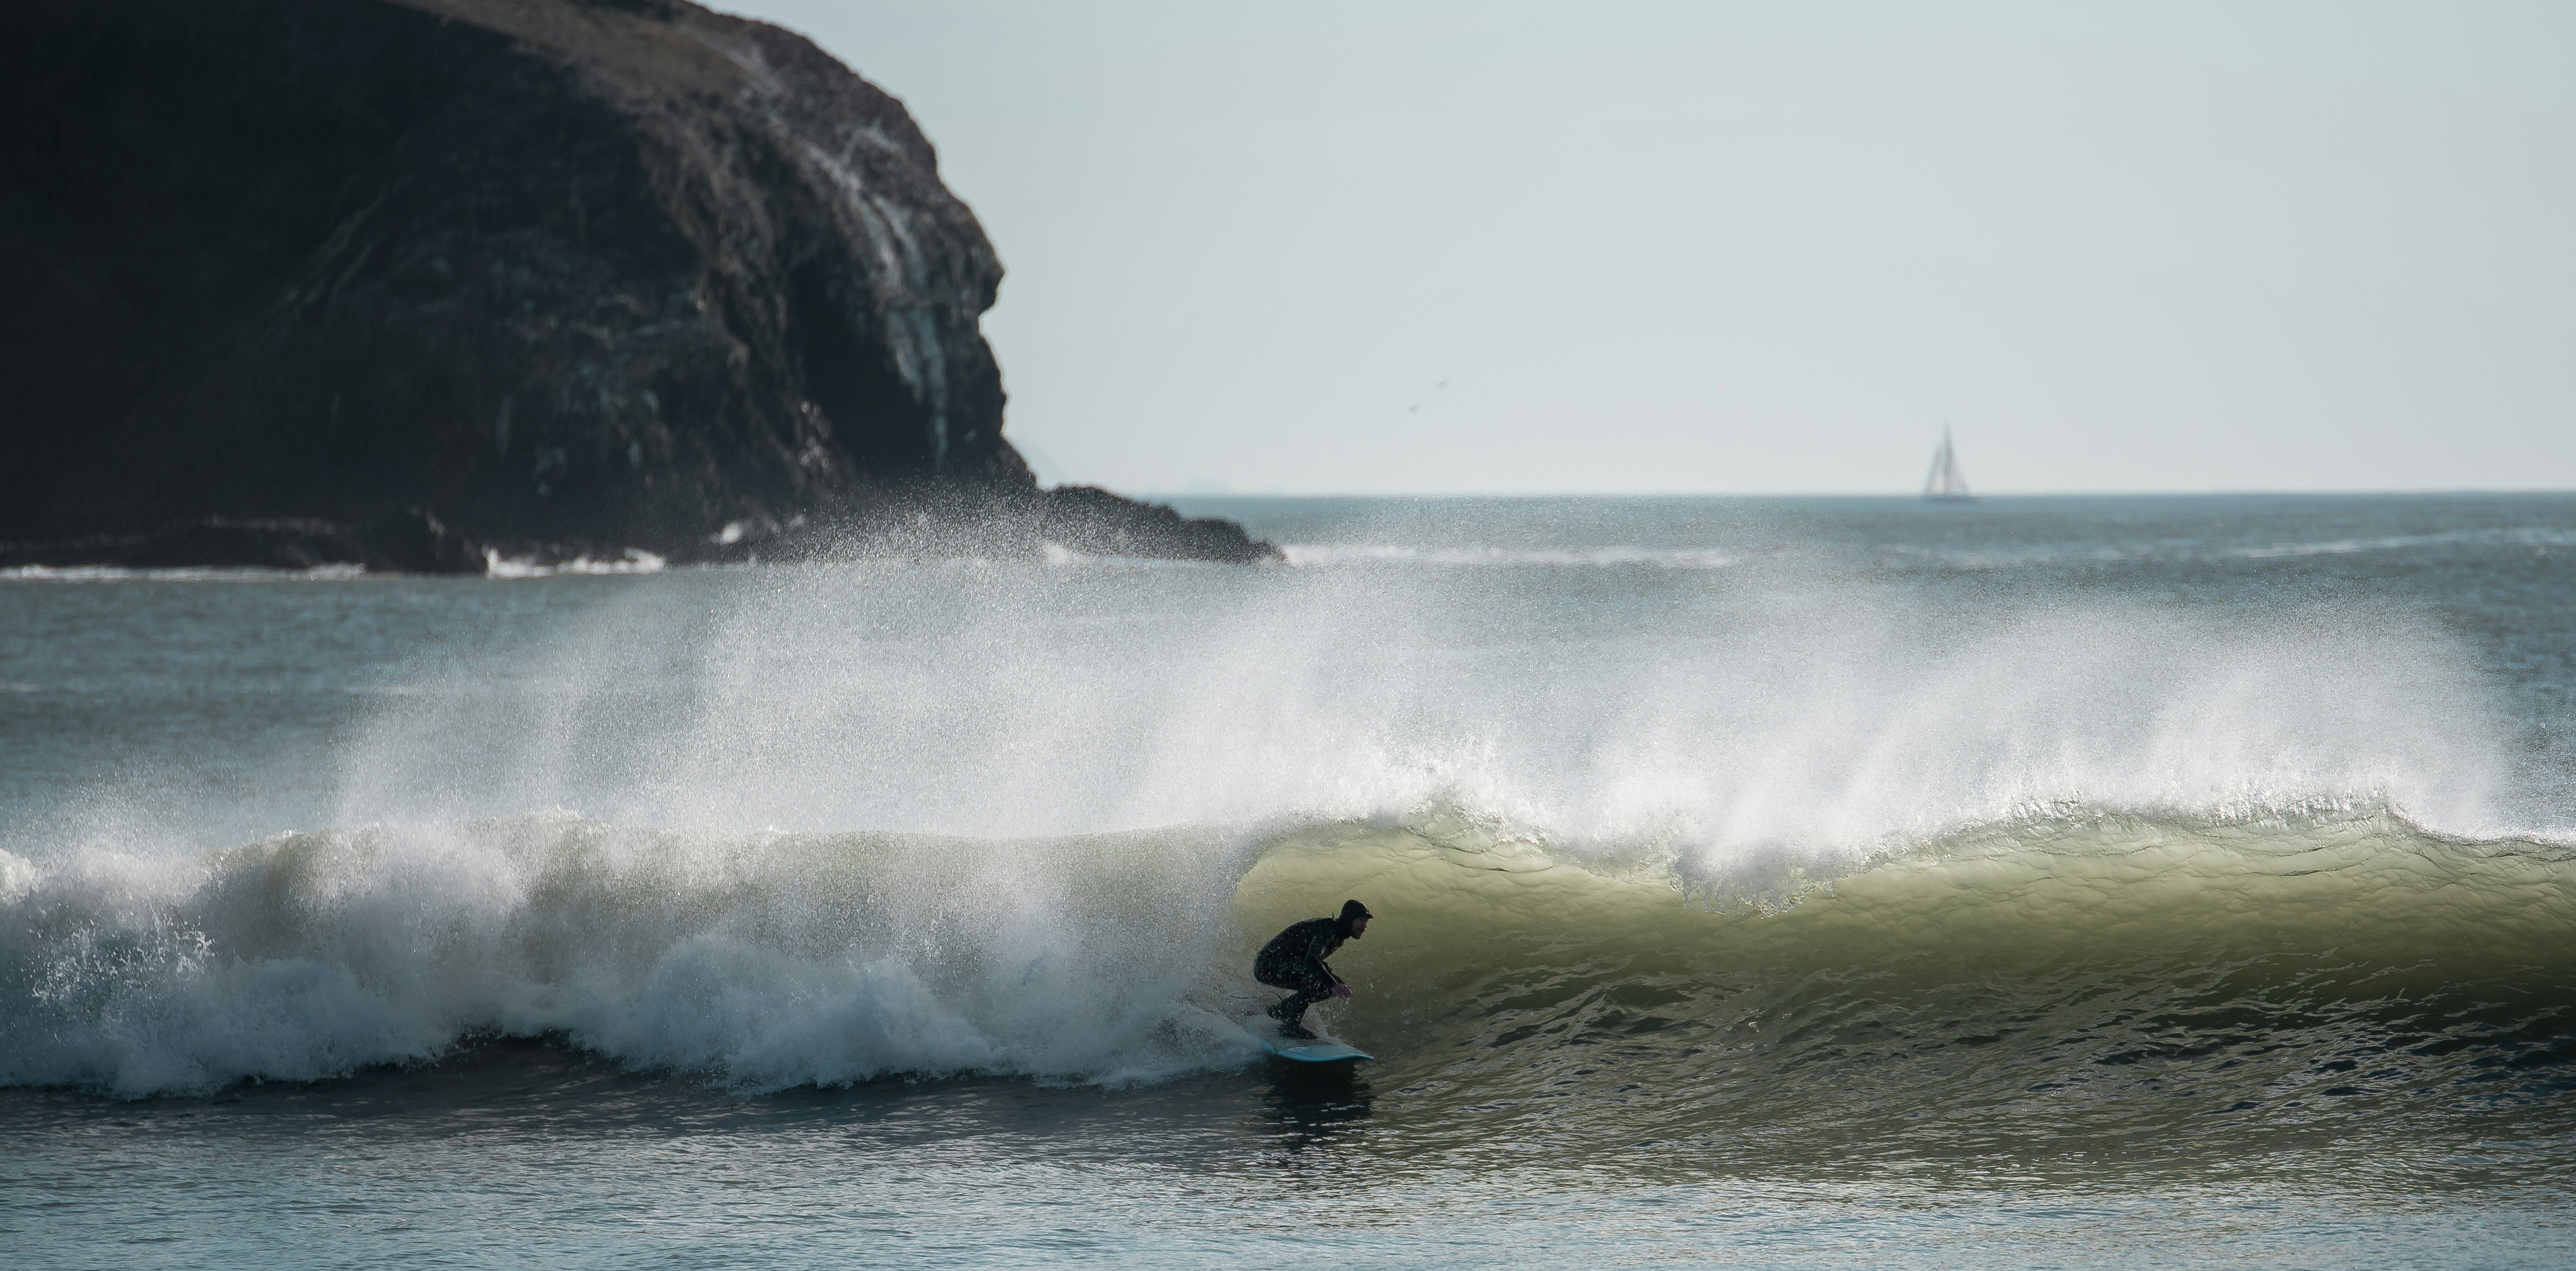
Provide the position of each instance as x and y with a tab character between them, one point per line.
2416	492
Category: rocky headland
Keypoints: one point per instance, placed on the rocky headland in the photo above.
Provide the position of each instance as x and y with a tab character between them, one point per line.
412	284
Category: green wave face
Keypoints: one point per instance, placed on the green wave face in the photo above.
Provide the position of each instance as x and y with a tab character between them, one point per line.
2176	995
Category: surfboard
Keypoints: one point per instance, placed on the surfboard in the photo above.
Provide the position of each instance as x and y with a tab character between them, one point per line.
1317	1052
1322	1050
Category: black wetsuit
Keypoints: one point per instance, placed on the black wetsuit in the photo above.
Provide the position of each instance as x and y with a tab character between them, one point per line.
1294	959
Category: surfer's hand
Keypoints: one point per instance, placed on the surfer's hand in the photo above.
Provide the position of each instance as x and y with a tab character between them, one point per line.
1341	990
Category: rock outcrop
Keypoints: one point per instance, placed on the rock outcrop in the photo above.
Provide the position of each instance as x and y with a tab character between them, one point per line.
412	542
626	271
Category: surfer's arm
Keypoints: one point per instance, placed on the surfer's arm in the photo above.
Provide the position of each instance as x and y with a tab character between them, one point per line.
1315	954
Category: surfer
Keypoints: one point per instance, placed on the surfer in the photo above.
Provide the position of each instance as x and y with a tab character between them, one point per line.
1294	960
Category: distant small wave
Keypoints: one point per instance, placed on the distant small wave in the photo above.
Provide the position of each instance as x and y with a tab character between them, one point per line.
496	565
190	574
2521	537
1309	555
2539	538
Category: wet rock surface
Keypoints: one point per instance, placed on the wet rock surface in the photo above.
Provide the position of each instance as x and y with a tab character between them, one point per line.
535	271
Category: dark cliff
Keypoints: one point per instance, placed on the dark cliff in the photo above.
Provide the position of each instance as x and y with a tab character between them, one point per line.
624	273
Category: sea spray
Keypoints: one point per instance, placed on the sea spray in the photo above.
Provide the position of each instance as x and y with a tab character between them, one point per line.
1775	713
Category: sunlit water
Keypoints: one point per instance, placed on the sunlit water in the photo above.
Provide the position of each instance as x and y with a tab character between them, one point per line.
2099	882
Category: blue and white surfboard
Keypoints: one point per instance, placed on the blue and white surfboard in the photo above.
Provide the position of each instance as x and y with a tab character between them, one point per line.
1322	1050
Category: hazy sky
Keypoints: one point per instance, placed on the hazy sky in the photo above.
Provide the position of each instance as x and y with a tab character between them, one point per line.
1762	247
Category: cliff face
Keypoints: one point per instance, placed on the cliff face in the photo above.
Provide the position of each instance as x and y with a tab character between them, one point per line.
634	273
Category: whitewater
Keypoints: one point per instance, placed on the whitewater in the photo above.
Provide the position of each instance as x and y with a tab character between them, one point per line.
2047	880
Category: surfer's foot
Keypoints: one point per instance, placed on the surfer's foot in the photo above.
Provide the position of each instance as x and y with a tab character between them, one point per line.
1296	1032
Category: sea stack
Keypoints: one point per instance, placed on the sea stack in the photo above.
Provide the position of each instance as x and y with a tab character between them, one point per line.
546	275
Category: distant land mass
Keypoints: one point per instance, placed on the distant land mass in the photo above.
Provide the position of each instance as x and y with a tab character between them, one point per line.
401	283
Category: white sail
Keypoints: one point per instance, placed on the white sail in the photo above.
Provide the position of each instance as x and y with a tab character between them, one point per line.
1944	481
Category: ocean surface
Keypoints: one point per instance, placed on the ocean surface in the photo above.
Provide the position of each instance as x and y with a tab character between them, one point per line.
1802	882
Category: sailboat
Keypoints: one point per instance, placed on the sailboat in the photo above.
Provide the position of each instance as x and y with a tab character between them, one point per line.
1945	485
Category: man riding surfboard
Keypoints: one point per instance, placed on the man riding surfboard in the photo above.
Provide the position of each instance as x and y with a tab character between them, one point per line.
1294	960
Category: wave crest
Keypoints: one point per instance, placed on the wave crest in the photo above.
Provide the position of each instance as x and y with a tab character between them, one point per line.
772	960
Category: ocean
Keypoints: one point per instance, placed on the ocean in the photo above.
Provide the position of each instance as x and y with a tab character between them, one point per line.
2108	881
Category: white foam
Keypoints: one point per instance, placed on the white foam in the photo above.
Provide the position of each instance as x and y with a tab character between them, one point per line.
759	961
633	560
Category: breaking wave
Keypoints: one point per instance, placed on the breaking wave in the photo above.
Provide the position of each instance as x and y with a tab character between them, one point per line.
1744	856
2343	961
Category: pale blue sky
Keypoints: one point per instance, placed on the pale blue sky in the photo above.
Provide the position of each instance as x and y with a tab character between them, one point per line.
1762	247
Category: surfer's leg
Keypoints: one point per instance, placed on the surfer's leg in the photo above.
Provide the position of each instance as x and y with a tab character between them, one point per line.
1292	1008
1311	987
1291	1014
1283	973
